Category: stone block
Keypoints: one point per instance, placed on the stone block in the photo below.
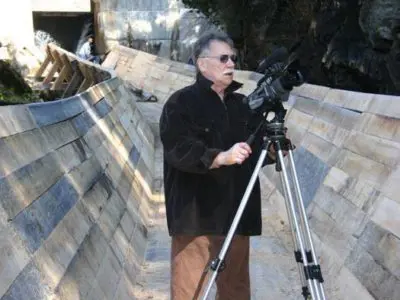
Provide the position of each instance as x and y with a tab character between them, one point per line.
127	146
350	287
295	133
380	126
102	108
109	274
385	105
28	285
95	199
126	119
311	91
307	106
383	246
114	168
120	245
328	231
321	148
340	137
338	116
94	247
134	200
391	188
37	222
13	258
363	168
73	154
94	137
134	156
56	111
113	98
18	150
299	118
50	270
377	149
96	293
386	213
84	121
359	192
144	176
187	71
311	172
348	99
103	154
118	133
20	188
59	134
78	279
132	265
99	91
85	175
76	224
127	224
15	119
126	289
111	216
109	121
61	246
125	182
377	280
323	129
347	216
147	155
138	240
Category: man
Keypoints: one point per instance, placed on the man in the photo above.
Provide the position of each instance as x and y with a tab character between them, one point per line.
86	50
207	166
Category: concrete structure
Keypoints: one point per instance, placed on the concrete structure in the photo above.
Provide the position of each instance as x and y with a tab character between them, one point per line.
61	5
16	24
82	205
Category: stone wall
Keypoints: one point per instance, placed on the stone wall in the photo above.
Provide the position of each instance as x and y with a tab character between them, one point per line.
347	158
76	179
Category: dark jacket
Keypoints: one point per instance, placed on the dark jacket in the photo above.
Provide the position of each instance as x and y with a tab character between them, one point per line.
195	125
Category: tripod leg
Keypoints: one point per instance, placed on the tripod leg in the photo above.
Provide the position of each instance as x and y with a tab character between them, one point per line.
317	271
297	254
299	237
216	264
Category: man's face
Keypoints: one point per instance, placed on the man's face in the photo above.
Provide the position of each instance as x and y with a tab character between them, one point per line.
216	63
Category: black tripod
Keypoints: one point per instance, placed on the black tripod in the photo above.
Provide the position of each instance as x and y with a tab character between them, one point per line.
309	269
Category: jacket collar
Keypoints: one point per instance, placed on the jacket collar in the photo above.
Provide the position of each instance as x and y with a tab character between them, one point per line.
206	83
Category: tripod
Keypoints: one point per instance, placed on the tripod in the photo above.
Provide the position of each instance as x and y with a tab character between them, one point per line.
309	269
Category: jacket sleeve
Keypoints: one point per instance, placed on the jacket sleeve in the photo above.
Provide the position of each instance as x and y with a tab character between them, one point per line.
182	149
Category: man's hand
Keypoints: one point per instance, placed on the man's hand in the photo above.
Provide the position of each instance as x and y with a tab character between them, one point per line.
237	154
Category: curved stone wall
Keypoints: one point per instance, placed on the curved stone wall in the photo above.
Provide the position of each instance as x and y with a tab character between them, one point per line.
81	178
347	158
76	178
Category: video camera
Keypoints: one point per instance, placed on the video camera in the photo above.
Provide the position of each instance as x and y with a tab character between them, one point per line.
281	74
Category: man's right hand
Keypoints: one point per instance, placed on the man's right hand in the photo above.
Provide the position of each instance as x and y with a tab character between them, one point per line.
237	154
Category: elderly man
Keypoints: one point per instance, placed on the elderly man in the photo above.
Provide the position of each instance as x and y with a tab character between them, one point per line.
207	166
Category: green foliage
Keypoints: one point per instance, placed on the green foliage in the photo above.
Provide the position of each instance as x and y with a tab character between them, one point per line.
12	97
256	26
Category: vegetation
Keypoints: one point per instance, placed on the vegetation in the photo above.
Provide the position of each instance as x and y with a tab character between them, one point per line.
346	44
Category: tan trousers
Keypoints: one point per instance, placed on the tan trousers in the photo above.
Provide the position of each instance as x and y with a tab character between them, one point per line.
190	256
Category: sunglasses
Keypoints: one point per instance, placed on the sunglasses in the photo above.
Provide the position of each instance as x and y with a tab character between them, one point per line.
223	58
